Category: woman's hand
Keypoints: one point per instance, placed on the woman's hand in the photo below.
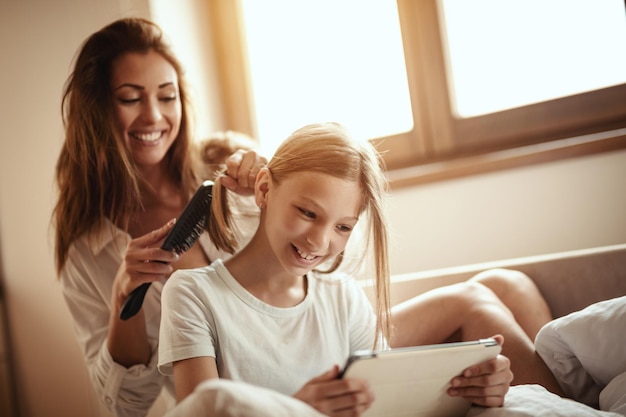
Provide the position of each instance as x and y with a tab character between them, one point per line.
144	261
241	170
336	397
485	384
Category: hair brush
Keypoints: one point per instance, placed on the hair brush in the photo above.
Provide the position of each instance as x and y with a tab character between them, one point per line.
182	236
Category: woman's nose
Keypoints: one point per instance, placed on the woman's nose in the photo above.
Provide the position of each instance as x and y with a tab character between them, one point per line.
151	112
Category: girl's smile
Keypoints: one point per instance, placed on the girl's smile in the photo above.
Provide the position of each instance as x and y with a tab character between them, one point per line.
304	256
311	216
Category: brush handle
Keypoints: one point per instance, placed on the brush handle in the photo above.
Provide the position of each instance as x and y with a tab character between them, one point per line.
134	301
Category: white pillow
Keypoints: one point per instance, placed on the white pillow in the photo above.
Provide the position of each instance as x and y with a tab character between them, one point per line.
585	349
226	398
613	396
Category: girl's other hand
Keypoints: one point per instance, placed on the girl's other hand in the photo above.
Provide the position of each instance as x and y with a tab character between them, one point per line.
485	384
241	170
336	397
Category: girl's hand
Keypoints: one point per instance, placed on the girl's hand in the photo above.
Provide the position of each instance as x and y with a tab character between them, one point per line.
241	169
485	384
336	397
144	261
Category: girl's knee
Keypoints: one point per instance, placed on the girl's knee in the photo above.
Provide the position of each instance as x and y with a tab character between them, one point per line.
474	294
482	307
503	281
506	276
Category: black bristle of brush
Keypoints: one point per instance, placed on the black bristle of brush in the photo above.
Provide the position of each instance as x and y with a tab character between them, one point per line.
183	235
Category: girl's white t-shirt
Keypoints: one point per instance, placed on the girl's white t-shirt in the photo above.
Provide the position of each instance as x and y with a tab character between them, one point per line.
206	312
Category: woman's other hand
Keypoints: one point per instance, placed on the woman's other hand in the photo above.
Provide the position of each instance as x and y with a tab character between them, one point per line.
336	397
485	384
241	170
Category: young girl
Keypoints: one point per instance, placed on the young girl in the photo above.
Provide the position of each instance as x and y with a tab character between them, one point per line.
273	314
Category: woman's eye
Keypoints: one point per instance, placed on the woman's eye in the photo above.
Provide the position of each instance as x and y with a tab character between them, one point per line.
128	100
168	98
344	228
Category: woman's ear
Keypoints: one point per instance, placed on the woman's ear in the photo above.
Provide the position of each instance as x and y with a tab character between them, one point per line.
262	186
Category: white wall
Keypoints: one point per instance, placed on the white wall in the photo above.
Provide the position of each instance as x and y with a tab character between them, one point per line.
565	205
551	207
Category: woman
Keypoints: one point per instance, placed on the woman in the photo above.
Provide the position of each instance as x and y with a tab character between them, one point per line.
127	168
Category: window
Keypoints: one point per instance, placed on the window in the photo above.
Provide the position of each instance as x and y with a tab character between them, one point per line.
318	68
439	138
504	54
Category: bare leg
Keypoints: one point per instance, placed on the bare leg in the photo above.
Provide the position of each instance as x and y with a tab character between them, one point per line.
469	311
520	294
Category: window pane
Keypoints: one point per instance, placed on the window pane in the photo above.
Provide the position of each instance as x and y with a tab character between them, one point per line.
326	60
509	53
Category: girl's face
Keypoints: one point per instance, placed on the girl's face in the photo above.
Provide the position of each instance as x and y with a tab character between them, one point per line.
308	218
147	104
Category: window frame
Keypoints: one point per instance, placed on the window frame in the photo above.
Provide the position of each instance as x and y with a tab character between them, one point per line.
442	146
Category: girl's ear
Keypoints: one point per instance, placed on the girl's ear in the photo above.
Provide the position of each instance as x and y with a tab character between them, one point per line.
262	186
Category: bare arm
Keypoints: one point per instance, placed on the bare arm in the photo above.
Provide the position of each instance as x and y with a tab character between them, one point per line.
188	373
127	340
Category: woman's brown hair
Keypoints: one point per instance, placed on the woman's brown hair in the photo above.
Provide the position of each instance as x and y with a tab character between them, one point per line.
96	178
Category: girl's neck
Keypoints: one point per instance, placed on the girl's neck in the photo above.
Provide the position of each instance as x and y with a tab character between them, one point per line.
257	270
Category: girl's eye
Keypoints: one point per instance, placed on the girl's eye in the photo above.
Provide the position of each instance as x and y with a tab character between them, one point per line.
344	228
307	213
168	98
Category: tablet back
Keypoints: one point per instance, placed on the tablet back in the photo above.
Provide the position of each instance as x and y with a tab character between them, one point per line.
412	382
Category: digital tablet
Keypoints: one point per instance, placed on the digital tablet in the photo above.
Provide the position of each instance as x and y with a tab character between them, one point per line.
413	382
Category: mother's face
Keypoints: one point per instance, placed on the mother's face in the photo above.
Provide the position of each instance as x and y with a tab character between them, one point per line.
147	104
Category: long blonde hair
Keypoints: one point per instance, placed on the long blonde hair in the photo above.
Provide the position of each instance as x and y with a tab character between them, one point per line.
327	148
95	176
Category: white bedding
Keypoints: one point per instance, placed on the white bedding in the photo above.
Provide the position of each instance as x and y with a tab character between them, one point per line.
224	398
536	401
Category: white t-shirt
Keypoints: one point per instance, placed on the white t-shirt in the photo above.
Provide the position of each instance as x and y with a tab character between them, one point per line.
206	312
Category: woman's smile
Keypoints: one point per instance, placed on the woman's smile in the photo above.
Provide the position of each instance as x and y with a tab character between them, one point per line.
149	137
152	138
147	104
